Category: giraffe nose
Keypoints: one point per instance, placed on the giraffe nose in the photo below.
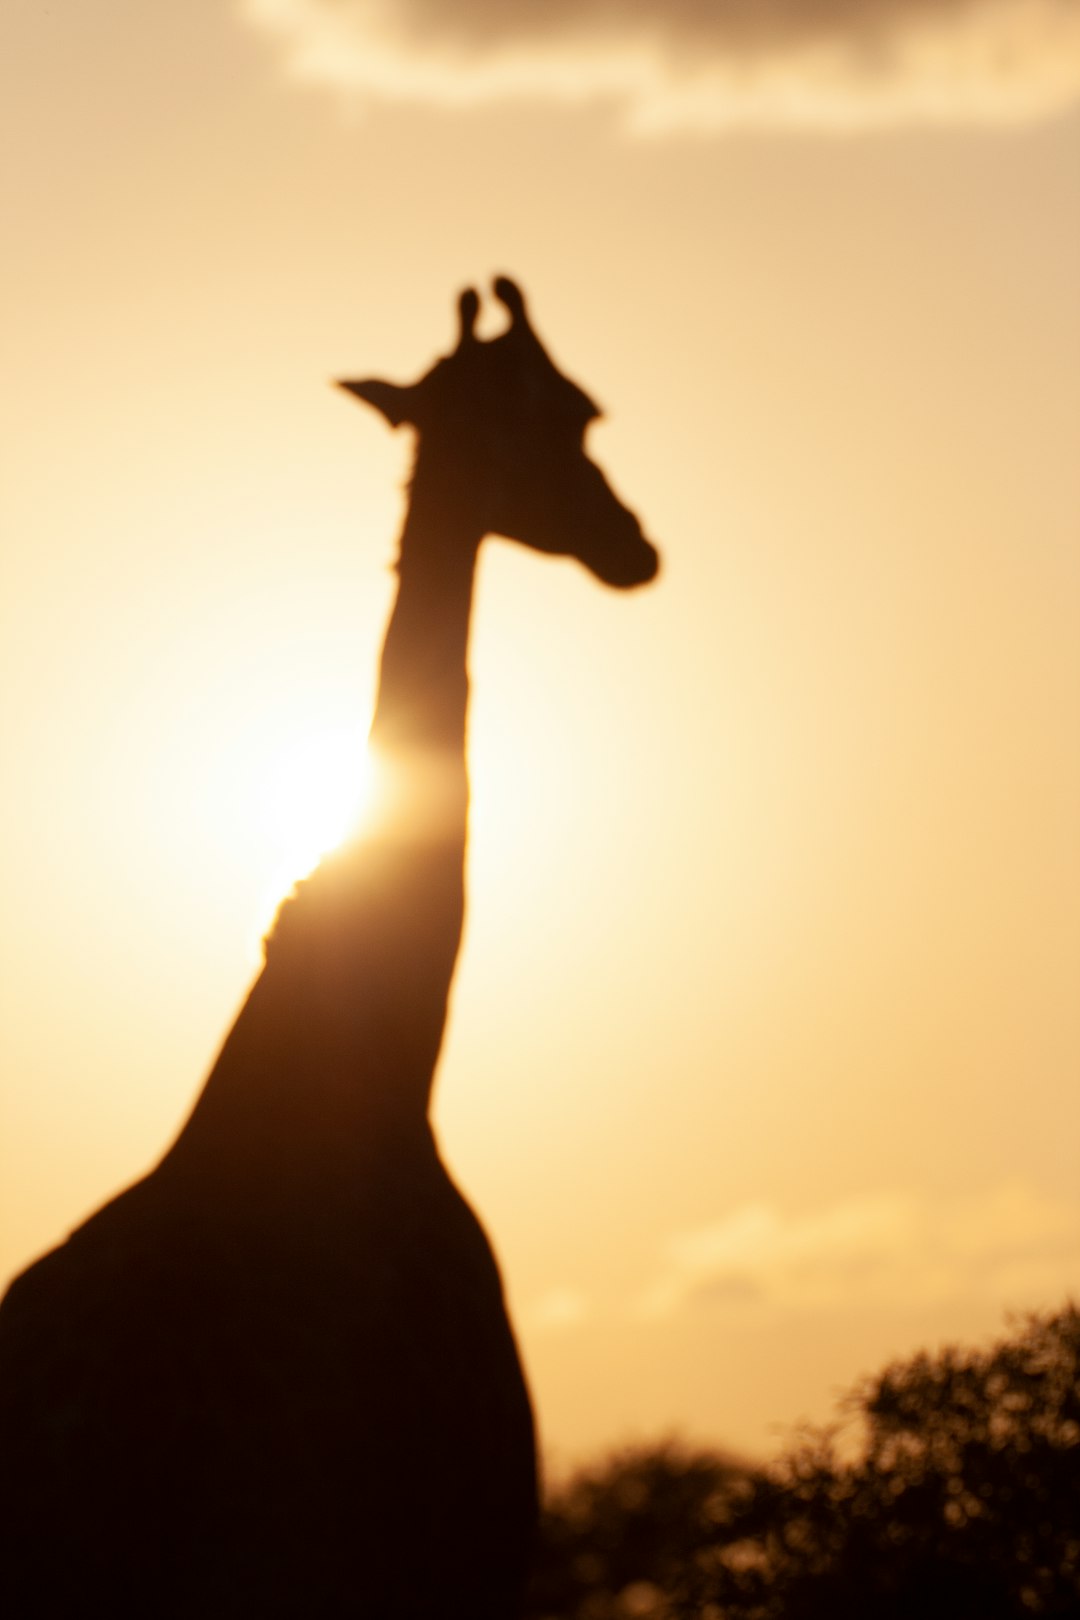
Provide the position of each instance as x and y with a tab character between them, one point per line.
627	559
613	545
633	565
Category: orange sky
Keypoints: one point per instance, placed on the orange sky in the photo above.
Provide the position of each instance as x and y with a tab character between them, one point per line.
764	1053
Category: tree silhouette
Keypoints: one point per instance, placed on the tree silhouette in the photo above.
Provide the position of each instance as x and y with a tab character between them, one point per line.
618	1538
960	1501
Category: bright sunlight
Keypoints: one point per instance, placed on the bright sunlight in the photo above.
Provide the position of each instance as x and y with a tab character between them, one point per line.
313	794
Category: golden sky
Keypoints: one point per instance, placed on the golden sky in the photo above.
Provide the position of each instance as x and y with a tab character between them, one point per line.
765	1047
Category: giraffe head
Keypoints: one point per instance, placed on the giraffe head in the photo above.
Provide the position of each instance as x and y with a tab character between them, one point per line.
501	436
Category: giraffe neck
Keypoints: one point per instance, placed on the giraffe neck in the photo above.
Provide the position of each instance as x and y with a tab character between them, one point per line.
418	730
328	1068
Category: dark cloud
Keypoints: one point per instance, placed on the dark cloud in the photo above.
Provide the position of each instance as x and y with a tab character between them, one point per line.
699	63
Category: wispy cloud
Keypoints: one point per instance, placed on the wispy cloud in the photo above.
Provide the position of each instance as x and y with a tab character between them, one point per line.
1009	1247
704	64
557	1310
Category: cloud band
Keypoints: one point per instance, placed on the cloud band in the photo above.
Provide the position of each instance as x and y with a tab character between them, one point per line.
699	64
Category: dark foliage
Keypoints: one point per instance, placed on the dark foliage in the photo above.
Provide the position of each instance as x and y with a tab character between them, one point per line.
959	1500
617	1540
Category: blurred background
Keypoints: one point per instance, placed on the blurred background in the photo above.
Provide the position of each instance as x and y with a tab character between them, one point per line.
765	1043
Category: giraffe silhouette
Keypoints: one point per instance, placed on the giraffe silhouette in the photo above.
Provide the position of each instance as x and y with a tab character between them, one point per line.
276	1376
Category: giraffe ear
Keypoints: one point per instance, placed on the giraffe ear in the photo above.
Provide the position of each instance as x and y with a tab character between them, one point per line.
391	400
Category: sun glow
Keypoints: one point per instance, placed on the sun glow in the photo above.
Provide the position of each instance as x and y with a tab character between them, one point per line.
315	793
